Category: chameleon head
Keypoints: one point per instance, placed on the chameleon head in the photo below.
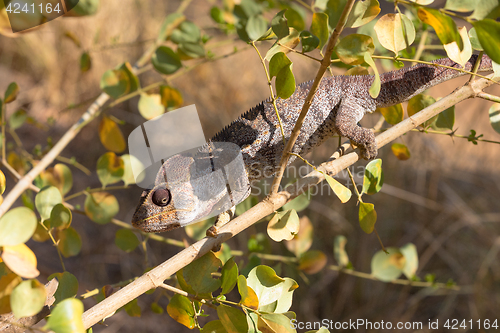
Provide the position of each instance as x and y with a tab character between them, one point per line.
192	186
168	205
162	209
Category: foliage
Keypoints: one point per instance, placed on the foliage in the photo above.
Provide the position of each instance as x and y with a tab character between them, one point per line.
247	296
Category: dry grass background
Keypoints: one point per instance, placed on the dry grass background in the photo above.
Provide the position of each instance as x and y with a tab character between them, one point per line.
459	240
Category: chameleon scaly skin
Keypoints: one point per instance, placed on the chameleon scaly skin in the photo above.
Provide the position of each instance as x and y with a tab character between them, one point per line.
338	105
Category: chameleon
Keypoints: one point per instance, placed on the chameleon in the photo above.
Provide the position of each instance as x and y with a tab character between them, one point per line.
339	104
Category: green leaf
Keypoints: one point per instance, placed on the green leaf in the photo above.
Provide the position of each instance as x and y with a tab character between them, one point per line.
66	317
214	326
17	226
295	18
85	62
132	308
27	298
342	192
319	28
150	106
279	25
362	13
156	308
303	240
375	87
70	243
462	6
229	276
120	81
46	199
339	251
334	9
115	83
11	93
309	41
110	168
289	42
352	48
277	63
387	267
488	33
126	240
409	251
191	50
311	262
392	114
169	24
274	322
445	119
474	40
67	288
17	119
60	217
101	207
299	203
248	296
285	83
233	320
494	113
374	177
165	60
367	217
256	27
186	32
283	226
400	151
274	293
198	274
395	32
418	103
59	176
486	9
181	310
111	136
445	27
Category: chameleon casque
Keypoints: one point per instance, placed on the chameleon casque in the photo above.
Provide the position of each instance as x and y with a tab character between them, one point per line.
339	104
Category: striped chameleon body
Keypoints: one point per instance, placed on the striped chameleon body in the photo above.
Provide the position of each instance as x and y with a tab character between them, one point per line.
339	104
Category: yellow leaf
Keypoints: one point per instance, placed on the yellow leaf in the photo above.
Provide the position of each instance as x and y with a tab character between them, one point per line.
111	136
21	260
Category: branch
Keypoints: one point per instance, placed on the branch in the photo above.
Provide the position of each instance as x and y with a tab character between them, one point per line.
325	63
156	276
92	112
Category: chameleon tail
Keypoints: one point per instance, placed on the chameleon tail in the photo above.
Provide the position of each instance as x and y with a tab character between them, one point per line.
399	86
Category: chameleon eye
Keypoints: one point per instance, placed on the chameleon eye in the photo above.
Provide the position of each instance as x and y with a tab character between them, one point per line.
161	197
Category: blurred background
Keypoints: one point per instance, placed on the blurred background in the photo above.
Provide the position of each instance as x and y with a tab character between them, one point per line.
445	199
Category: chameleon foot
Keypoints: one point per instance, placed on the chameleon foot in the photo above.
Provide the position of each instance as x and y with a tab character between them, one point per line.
220	220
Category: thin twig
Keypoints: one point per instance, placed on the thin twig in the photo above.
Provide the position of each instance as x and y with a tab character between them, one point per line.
325	63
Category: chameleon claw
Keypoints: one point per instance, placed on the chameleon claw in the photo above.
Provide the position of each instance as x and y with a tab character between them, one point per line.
212	232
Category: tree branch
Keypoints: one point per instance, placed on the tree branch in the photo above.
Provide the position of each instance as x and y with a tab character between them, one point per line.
156	276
